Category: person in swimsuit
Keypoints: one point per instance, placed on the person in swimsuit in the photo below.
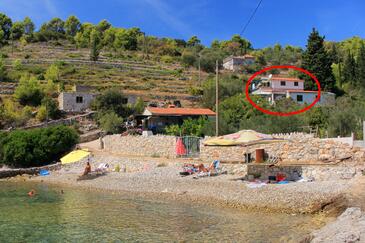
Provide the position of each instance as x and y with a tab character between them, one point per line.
87	169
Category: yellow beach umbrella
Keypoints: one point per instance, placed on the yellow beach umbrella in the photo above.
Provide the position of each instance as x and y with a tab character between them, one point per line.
74	156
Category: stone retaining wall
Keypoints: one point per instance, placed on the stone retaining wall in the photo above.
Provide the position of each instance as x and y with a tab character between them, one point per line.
293	173
152	146
90	136
296	149
29	171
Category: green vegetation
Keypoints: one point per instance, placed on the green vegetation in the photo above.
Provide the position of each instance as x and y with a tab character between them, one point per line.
29	91
112	101
128	59
189	127
37	147
317	61
110	122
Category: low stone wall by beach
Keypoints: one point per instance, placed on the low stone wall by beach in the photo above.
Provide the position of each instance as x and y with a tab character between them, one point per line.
297	149
29	171
295	172
90	136
151	146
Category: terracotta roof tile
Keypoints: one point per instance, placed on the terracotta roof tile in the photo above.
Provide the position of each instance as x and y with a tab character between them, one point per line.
279	78
181	111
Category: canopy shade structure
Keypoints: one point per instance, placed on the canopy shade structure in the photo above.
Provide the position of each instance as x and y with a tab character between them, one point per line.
243	138
74	156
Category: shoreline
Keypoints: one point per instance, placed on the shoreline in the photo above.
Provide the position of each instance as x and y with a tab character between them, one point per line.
148	179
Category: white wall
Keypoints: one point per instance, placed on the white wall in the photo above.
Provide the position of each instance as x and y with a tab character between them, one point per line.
288	85
326	98
228	65
67	101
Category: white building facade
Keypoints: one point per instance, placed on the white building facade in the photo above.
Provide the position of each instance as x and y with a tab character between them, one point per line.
276	87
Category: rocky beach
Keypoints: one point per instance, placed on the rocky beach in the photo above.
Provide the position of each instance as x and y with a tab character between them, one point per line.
159	178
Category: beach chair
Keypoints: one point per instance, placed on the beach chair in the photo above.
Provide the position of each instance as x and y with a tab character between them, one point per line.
214	170
102	168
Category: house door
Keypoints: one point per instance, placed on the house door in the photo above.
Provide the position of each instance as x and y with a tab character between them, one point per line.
188	146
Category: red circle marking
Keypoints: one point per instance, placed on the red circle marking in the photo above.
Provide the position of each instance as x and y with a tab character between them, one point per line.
276	113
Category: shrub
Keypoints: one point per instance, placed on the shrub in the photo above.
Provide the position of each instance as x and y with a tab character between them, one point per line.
190	127
37	147
42	114
53	73
139	106
110	122
167	59
17	64
112	100
29	92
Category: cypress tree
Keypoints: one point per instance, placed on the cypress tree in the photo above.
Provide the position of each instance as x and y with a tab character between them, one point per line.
349	69
360	67
317	61
95	40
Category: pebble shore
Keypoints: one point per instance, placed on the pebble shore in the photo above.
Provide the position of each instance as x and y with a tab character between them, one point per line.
159	179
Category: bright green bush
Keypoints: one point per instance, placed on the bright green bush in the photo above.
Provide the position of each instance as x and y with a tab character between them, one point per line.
29	91
42	114
190	127
36	147
110	122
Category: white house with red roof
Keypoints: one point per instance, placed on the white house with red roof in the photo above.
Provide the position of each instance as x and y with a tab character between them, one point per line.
278	87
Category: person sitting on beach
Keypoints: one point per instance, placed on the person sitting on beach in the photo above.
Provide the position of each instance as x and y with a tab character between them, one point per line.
202	168
87	169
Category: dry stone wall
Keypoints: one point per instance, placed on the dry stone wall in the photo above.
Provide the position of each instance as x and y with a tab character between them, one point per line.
293	173
28	171
151	146
296	149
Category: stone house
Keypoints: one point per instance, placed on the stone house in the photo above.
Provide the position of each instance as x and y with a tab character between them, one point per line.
80	98
75	101
235	63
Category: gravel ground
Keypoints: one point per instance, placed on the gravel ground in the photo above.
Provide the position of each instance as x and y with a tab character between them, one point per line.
159	178
349	227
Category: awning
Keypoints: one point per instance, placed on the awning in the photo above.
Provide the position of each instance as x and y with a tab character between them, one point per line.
244	137
74	156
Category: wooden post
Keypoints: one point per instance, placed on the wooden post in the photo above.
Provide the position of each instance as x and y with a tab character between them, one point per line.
216	100
199	83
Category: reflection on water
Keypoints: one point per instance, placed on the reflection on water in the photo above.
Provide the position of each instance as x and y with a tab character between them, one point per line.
84	216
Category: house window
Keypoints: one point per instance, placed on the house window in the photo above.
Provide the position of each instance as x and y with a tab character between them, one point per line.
296	84
79	99
125	101
282	83
299	98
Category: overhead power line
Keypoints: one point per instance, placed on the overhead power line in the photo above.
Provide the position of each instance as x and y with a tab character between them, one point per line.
251	17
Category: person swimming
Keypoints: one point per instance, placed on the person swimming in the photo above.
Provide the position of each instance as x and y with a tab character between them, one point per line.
31	193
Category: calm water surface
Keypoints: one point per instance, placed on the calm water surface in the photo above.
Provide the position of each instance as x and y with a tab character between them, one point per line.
84	216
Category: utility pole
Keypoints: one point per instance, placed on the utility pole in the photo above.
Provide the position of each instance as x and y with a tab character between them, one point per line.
199	69
216	100
46	113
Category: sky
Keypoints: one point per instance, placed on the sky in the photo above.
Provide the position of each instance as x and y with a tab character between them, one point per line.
276	21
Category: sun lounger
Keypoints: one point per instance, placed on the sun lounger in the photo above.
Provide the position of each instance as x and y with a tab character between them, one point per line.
102	168
213	170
